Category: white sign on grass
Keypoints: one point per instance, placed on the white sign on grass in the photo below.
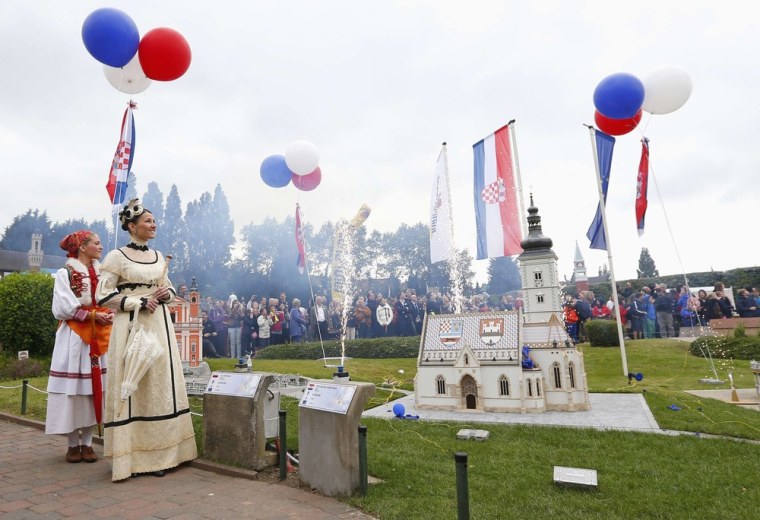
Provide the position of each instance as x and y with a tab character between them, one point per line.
241	384
328	397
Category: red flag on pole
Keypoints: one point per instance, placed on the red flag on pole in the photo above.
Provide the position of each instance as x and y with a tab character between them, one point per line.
641	186
300	242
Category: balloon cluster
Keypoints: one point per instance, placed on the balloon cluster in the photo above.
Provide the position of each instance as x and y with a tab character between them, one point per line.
300	164
130	62
621	98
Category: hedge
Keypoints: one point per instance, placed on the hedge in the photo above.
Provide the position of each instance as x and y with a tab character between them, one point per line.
602	333
378	348
728	348
26	319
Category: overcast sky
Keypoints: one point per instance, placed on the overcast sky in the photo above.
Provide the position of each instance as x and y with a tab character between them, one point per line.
377	86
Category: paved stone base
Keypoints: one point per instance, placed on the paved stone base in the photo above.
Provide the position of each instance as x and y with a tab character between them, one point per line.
608	412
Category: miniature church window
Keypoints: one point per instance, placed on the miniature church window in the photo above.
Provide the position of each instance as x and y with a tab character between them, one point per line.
538	280
441	384
540	297
571	371
503	385
192	346
466	359
538	388
530	387
557	376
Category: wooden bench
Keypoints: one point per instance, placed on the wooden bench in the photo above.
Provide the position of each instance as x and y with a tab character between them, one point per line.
725	327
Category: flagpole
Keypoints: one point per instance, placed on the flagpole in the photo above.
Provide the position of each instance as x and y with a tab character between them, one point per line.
518	177
602	207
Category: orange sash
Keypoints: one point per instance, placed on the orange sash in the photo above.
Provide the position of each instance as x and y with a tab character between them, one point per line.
94	334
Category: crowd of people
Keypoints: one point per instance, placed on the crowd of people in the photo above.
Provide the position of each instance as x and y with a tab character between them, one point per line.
658	311
235	327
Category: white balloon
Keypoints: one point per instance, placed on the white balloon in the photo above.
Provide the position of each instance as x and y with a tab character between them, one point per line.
129	79
666	90
301	157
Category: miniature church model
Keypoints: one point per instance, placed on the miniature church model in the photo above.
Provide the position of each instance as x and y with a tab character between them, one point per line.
506	361
188	327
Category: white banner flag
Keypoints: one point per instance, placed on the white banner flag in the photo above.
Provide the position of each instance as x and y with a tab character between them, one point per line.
441	242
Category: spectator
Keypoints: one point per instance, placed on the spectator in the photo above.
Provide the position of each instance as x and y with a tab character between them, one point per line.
265	321
384	316
664	305
209	332
275	330
571	320
638	316
600	311
298	322
746	305
362	317
650	328
234	328
583	309
372	302
318	316
249	332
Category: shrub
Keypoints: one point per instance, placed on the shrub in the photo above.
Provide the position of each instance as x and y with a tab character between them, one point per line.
21	369
378	348
740	331
747	347
26	322
602	333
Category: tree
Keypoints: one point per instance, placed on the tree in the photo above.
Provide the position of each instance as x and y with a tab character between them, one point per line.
646	269
503	275
99	227
153	200
174	233
18	236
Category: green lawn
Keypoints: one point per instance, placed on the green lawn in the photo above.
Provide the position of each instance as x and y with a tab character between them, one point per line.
510	475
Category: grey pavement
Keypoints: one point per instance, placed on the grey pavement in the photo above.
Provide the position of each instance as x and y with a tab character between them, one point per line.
608	412
36	482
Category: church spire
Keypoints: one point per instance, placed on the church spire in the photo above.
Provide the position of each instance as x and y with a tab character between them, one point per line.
535	241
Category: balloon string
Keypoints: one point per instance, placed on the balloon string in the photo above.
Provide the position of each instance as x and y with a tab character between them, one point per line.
667	221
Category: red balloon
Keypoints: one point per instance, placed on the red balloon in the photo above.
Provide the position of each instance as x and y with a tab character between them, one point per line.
307	182
616	126
164	54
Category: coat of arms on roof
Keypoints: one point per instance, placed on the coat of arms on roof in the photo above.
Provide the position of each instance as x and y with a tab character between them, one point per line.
491	330
450	331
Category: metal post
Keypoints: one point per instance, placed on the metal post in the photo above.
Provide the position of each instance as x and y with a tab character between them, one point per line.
363	460
24	391
463	494
283	446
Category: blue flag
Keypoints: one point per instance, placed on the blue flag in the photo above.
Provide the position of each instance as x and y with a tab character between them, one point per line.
604	146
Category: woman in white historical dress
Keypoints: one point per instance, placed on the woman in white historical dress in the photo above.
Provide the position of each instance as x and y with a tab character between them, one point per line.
81	337
151	431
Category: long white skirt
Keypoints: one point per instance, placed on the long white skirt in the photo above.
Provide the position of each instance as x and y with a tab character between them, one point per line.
66	413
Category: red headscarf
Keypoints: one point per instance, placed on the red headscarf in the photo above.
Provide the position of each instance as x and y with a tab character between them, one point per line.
71	243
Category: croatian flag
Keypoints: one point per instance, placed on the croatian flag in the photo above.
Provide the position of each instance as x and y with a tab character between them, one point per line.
603	158
300	242
641	186
496	213
122	159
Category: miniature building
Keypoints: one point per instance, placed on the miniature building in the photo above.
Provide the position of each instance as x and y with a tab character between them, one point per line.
513	361
579	271
188	327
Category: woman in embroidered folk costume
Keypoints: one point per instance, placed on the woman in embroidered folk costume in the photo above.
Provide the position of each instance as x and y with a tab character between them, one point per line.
75	387
150	430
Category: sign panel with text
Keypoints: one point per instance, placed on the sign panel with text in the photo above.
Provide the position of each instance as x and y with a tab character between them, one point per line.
328	397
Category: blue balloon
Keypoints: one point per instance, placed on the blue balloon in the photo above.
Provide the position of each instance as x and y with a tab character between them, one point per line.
274	171
399	410
111	36
619	96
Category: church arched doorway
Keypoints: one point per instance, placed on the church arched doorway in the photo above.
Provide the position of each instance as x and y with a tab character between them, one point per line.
469	392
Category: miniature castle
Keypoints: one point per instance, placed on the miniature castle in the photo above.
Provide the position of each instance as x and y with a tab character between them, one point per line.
188	329
511	361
